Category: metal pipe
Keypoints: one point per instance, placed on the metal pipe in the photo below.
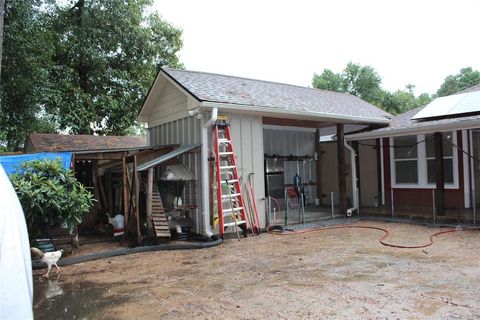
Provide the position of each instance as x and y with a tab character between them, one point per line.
302	208
434	208
286	207
354	176
212	119
205	177
391	200
333	208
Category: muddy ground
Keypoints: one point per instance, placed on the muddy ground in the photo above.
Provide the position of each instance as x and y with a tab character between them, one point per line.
332	274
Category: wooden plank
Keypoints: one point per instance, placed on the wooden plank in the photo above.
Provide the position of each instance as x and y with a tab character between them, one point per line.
125	190
342	185
137	198
149	197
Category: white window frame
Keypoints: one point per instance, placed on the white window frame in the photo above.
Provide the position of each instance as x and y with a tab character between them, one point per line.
422	166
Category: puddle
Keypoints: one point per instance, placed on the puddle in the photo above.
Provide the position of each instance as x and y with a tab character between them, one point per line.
61	299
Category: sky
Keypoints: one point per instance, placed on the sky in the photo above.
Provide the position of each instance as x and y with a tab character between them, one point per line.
419	42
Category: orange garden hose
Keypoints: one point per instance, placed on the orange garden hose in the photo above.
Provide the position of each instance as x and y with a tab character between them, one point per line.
381	240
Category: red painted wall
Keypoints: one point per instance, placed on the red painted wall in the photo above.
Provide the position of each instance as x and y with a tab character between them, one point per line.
454	198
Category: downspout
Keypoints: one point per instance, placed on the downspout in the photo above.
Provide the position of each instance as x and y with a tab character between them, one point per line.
205	174
354	180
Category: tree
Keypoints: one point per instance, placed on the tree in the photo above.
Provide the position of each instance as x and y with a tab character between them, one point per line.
50	194
466	78
23	77
401	101
361	81
106	54
365	83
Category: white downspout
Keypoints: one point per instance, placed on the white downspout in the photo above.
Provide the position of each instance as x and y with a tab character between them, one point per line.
354	180
205	174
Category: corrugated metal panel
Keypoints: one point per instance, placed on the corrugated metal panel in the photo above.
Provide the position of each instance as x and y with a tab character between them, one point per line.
175	153
184	131
297	143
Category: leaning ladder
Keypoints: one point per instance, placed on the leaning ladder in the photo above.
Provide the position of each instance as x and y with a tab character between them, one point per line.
231	210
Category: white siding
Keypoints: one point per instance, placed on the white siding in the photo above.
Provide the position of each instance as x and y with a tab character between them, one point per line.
172	105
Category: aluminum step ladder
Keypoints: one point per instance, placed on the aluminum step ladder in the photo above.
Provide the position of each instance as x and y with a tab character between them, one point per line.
230	206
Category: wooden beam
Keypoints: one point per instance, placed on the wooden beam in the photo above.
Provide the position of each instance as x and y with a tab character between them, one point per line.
296	123
318	163
137	198
125	190
342	185
149	196
439	174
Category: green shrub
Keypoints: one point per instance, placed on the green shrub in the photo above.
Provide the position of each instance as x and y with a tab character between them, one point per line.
50	194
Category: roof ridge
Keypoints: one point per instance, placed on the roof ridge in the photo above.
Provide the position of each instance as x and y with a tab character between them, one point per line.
259	80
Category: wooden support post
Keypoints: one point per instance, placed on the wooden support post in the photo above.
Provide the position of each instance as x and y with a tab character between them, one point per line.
342	185
136	180
149	199
125	190
318	163
439	174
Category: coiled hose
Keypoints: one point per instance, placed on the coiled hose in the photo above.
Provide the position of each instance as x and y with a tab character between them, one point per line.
279	230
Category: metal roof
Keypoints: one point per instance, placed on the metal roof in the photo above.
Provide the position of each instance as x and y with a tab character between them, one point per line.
43	142
265	96
404	125
462	103
175	153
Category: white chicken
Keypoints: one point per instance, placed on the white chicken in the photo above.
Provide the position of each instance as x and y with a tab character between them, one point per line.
50	258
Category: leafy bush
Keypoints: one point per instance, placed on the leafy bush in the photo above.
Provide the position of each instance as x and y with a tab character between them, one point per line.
50	194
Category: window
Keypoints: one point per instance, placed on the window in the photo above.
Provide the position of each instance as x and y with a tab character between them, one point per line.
406	159
447	157
413	161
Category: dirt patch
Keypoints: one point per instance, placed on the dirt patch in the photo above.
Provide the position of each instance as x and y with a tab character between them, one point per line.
330	274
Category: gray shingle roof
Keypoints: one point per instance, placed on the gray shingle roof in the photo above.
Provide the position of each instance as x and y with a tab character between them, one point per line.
403	122
282	97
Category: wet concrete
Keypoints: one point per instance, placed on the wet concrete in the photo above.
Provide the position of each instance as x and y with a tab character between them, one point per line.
333	274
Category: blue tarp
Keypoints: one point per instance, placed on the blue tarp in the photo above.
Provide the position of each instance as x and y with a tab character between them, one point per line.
11	163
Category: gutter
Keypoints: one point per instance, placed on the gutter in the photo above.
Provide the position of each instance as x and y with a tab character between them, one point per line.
306	115
204	167
464	125
354	180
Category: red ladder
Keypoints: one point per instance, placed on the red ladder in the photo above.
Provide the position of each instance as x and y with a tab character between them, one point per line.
227	181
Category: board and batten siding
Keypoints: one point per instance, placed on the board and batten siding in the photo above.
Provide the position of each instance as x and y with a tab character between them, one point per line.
367	154
247	140
329	161
184	131
171	105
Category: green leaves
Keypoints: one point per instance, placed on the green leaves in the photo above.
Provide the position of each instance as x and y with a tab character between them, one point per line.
50	194
365	83
107	54
466	78
79	66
